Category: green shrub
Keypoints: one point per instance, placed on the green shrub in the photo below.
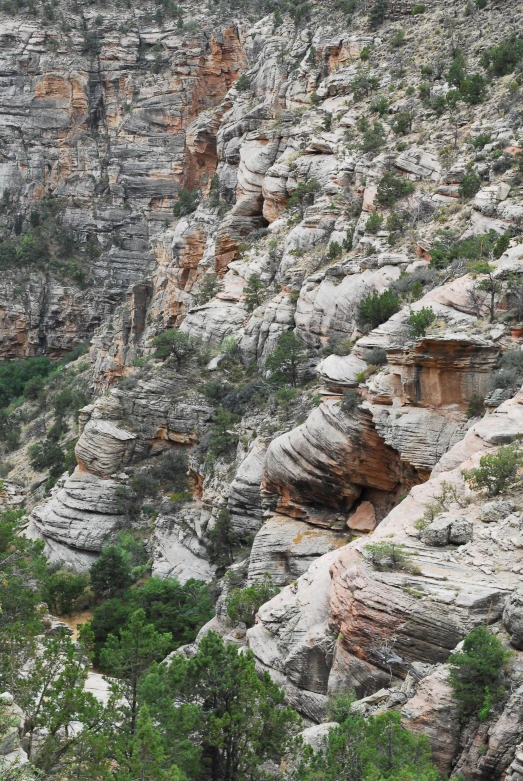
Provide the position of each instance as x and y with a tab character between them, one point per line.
208	289
111	573
253	292
178	345
496	472
420	8
398	39
222	542
223	436
303	195
470	185
243	84
334	251
377	308
244	603
473	89
378	13
503	58
350	401
287	360
373	138
374	223
377	356
363	84
480	140
419	321
63	589
476	671
15	374
391	188
380	105
388	555
337	345
47	456
187	202
402	125
476	406
339	706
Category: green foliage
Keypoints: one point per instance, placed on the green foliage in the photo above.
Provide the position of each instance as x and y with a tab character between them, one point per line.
380	105
473	89
420	321
398	39
241	719
503	58
457	71
222	541
376	308
476	406
496	472
339	707
402	124
23	571
244	603
350	401
378	748
334	251
420	8
253	292
110	573
208	289
470	185
127	658
287	360
187	202
374	223
501	245
177	345
47	456
63	589
446	249
363	84
378	13
476	672
387	555
15	374
377	356
337	345
223	436
373	138
243	84
303	195
391	188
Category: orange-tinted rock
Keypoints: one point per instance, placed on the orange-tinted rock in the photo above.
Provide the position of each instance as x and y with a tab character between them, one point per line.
439	372
320	468
364	519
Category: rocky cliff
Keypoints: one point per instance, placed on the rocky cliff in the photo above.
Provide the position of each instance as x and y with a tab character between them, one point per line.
239	174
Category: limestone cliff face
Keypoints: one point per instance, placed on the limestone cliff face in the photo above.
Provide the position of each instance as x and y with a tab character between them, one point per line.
163	188
85	120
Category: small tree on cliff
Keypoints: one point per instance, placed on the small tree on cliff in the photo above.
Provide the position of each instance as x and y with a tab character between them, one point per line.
287	360
476	673
176	344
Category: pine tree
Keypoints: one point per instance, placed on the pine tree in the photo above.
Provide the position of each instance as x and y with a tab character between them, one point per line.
286	361
253	292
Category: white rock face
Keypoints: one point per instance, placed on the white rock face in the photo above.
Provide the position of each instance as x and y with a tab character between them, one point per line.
104	448
341	371
331	306
177	547
285	548
291	639
80	515
244	500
